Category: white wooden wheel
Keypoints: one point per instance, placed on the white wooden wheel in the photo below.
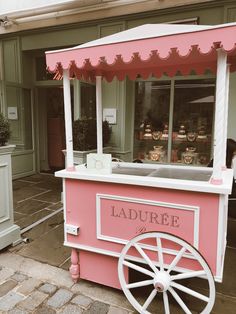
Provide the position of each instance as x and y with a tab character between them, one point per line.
162	277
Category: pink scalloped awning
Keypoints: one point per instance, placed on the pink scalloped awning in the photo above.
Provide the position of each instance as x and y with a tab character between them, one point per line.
151	49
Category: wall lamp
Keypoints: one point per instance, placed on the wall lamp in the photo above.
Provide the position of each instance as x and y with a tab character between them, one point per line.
5	22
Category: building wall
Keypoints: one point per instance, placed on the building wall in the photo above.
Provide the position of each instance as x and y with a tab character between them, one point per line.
18	53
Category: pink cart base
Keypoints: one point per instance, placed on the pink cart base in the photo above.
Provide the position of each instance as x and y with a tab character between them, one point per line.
108	215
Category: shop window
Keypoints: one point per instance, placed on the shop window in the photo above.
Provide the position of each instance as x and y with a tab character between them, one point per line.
152	109
41	70
88	100
174	121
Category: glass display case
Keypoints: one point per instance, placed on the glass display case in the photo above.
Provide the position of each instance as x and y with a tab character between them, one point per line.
174	121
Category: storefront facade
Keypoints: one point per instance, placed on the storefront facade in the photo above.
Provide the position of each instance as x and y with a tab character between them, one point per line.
143	111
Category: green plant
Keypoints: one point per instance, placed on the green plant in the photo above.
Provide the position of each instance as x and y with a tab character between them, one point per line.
85	134
4	130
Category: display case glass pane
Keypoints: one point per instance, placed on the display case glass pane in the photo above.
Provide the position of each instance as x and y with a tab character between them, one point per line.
152	107
193	121
175	129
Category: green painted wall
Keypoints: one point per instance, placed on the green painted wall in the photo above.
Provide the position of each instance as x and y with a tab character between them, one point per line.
206	17
19	55
11	57
60	38
28	68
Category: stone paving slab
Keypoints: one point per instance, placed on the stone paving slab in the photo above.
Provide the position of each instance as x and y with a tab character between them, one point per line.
55	206
30	206
33	300
49	247
20	183
6	286
48	288
32	268
17	311
101	293
224	304
29	192
28	286
116	310
8	301
49	196
30	219
5	273
41	229
72	309
60	298
82	301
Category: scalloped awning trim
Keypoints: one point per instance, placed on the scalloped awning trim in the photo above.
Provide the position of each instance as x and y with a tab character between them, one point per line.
177	48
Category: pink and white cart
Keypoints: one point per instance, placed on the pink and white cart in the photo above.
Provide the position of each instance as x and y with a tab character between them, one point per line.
166	222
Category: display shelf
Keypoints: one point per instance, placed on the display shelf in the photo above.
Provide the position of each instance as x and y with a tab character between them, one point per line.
181	151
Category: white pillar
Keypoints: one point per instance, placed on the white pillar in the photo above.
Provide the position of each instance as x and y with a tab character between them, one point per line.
99	113
219	132
77	100
226	115
68	122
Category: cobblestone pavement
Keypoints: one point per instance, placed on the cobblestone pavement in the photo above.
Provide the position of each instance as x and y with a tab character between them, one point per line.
43	289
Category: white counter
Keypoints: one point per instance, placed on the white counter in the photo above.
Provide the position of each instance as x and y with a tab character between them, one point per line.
153	179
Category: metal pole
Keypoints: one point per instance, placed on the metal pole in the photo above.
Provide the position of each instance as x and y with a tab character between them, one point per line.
219	132
99	114
68	122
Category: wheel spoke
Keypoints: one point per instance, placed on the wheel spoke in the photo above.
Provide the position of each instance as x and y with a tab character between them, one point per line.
149	299
146	258
180	301
166	303
176	259
139	269
188	275
139	284
190	291
160	254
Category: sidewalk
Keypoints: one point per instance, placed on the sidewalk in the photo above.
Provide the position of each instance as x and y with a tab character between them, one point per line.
34	275
28	286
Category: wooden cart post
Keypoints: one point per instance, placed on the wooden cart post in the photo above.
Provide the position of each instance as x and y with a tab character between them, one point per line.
99	113
68	122
219	133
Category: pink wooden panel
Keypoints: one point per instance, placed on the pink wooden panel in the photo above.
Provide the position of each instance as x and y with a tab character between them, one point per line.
100	269
123	219
81	210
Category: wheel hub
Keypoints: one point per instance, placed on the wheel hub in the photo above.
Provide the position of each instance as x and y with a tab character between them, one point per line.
162	281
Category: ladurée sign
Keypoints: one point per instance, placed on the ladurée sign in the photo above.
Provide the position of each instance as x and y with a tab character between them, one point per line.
145	216
121	218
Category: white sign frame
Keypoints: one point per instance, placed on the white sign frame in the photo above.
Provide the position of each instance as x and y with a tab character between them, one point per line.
12	113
